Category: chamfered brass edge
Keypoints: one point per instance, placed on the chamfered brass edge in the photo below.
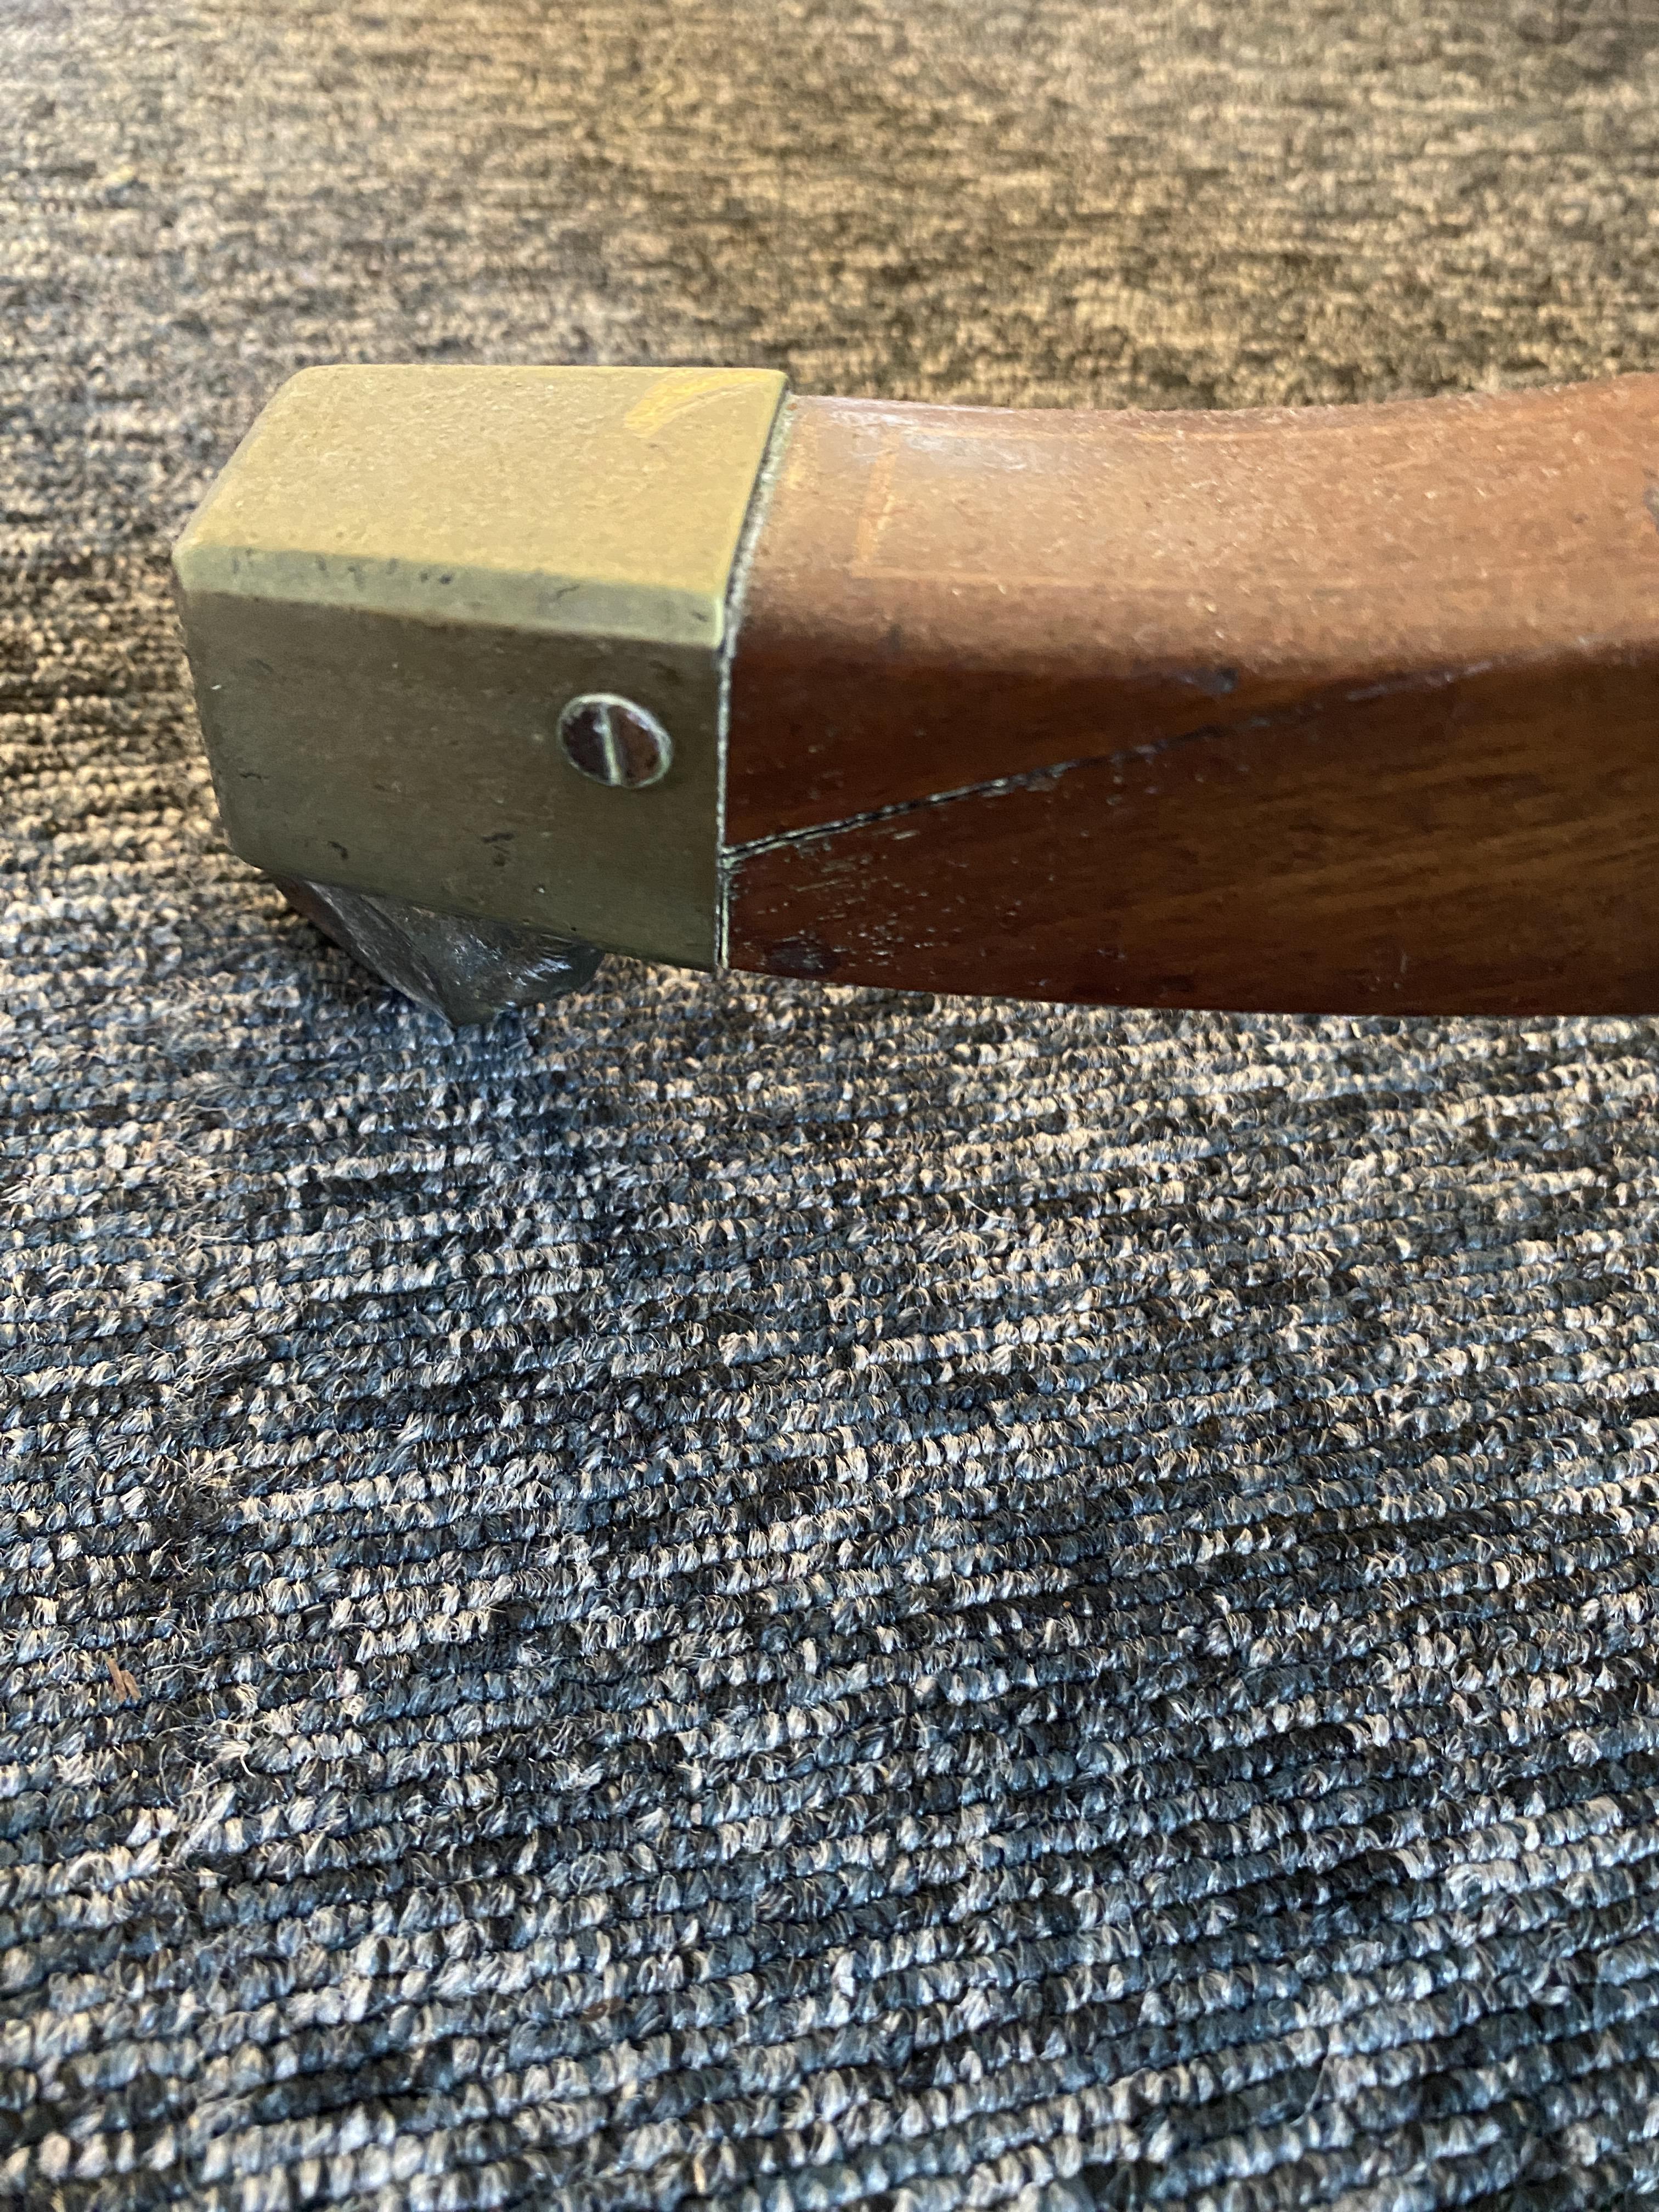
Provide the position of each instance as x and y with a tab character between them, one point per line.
760	502
255	531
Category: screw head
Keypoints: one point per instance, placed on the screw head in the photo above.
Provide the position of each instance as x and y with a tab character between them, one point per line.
614	740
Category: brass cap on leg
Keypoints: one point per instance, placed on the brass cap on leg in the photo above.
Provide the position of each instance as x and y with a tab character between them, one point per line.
405	592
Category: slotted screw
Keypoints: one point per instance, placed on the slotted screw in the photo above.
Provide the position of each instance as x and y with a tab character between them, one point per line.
614	741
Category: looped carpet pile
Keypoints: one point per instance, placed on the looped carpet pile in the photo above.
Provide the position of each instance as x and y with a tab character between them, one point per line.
751	1595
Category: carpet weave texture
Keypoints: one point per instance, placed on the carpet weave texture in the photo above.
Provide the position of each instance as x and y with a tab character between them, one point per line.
738	1594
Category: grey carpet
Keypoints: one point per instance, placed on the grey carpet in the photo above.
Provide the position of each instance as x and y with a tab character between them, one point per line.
754	1596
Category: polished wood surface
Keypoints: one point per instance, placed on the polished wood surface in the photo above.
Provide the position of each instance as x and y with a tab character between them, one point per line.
1344	709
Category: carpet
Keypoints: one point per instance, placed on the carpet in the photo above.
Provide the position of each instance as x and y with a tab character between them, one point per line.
744	1595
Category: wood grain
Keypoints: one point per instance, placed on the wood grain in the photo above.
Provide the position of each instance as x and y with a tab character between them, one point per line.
1333	709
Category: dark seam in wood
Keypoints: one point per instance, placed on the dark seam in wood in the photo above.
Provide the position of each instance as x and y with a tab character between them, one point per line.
1288	717
1027	779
